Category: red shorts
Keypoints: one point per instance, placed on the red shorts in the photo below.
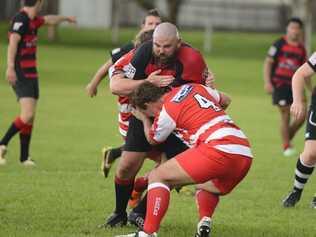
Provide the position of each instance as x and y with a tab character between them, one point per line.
204	163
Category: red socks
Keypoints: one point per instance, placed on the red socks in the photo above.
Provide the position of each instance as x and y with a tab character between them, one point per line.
141	184
157	205
206	203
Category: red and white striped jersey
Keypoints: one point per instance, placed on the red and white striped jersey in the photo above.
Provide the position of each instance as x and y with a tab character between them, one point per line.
124	107
194	113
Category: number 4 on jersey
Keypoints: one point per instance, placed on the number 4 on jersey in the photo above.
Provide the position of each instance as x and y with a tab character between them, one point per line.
205	103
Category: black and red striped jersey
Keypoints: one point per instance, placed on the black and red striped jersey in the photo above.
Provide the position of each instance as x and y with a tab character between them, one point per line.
287	59
187	65
25	60
117	53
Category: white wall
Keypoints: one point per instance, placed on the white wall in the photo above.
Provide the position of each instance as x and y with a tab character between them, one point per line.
89	13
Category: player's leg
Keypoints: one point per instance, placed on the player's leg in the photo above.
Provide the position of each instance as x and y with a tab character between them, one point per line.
127	168
28	110
27	93
285	128
161	180
281	97
304	168
231	170
109	155
133	156
207	199
306	162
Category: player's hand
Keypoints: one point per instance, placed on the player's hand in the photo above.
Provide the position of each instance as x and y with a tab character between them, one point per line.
268	87
138	114
210	80
298	110
72	19
11	76
91	90
160	80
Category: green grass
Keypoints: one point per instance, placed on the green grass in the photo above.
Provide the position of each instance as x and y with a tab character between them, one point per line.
66	195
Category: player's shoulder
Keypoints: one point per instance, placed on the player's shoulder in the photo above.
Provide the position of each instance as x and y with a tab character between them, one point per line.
187	50
126	58
127	47
188	55
178	94
21	16
143	55
145	48
280	42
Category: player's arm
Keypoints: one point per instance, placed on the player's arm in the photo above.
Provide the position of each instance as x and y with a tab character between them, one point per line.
120	85
56	19
11	55
158	131
220	97
267	69
92	87
225	100
307	70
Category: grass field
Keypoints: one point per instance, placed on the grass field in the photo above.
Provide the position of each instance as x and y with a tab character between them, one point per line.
66	195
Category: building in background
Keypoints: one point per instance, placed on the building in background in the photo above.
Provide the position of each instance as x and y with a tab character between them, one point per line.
245	15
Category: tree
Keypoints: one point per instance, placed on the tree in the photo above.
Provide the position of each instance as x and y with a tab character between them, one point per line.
303	9
51	7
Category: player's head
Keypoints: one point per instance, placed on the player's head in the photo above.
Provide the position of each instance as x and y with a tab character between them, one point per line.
148	98
294	29
143	36
151	20
166	41
33	3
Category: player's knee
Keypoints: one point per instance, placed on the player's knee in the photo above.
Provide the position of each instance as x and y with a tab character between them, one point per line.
158	176
309	156
125	170
127	167
154	176
28	117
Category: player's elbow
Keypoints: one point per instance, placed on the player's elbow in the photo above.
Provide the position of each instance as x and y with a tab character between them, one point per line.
225	100
115	86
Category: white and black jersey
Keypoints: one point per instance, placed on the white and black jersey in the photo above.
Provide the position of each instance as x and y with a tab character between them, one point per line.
310	133
312	63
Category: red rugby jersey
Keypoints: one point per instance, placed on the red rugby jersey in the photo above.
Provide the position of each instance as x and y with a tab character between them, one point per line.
194	113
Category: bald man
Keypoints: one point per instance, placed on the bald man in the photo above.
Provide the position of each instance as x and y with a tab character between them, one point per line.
165	61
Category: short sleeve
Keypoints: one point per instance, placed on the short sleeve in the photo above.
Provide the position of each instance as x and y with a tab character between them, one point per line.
117	53
163	126
312	61
275	48
20	24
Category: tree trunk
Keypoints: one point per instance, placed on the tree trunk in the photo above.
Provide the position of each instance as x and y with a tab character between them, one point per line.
145	4
173	10
51	7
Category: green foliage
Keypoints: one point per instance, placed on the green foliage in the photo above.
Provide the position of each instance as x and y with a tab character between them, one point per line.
66	195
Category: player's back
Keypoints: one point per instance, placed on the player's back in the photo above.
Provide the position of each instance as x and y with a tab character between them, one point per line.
195	109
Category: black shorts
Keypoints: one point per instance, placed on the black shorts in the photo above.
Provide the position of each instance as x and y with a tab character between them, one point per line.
282	96
136	141
310	133
26	88
172	146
